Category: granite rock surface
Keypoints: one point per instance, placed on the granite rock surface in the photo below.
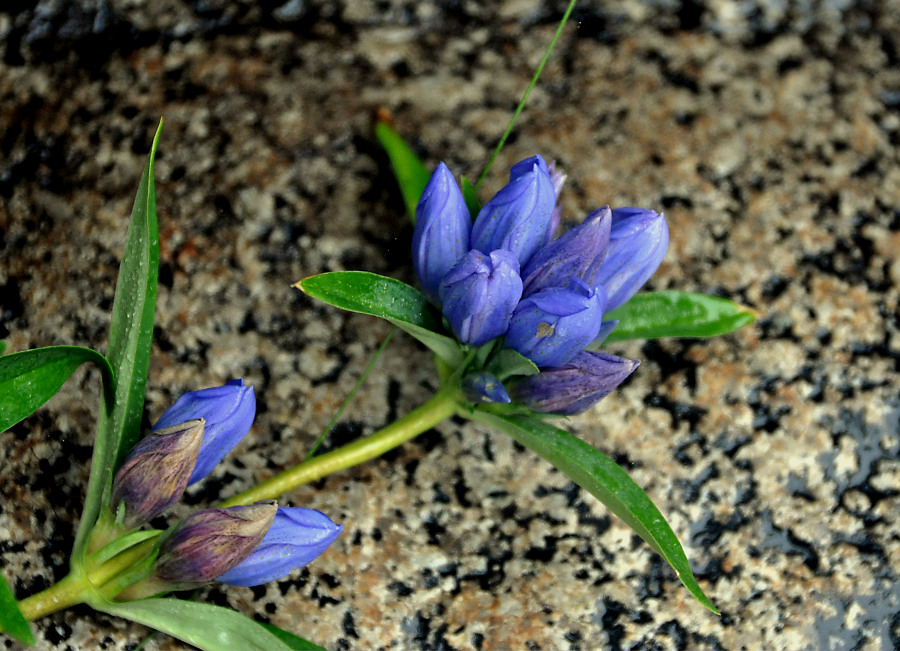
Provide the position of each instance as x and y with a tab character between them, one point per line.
767	131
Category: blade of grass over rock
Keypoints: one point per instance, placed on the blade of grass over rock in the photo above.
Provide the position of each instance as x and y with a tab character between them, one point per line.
130	338
411	173
387	298
30	378
470	196
12	621
651	315
602	478
294	642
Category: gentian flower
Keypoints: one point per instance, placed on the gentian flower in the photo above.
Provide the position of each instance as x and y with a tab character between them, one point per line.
571	255
479	294
297	536
638	242
518	218
228	411
156	472
550	326
441	235
482	387
574	386
210	542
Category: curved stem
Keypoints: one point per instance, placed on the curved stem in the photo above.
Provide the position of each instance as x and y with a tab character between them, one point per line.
442	405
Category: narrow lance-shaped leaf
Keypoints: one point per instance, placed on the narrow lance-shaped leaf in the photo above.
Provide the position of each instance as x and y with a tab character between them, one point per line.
295	642
207	627
29	378
387	298
130	338
651	315
411	173
12	621
600	476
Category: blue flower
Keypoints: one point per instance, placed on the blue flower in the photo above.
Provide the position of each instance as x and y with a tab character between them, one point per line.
519	217
574	386
295	539
479	294
569	256
441	235
482	387
550	326
638	242
156	471
228	411
211	542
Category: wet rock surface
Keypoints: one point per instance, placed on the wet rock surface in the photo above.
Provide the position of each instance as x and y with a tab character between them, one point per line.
768	134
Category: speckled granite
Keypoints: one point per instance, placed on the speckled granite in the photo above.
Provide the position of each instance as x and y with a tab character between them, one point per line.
767	132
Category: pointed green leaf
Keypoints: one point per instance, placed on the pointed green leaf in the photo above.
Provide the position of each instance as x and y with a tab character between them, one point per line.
207	627
508	362
130	338
12	621
411	173
294	642
470	196
30	378
387	298
602	478
651	315
119	545
2	347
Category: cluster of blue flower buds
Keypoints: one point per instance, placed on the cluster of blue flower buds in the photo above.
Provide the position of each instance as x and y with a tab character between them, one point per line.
506	276
239	545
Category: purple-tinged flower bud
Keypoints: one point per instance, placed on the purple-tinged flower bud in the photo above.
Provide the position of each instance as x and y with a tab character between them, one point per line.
518	217
228	411
575	386
638	242
297	537
570	256
479	294
156	472
557	178
210	542
484	388
441	235
552	325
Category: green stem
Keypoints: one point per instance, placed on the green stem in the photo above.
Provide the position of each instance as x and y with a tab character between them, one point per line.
442	405
534	80
78	588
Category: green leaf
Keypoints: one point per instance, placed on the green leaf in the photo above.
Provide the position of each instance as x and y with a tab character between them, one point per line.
411	173
2	347
130	338
30	378
294	642
470	196
602	478
119	545
651	315
508	362
387	298
207	627
12	621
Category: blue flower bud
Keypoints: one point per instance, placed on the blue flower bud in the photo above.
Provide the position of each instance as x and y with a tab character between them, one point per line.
552	325
156	472
575	386
484	388
570	256
479	294
228	411
210	542
295	539
638	242
558	179
441	235
518	217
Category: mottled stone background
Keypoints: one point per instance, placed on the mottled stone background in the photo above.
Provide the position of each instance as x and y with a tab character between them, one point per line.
767	131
